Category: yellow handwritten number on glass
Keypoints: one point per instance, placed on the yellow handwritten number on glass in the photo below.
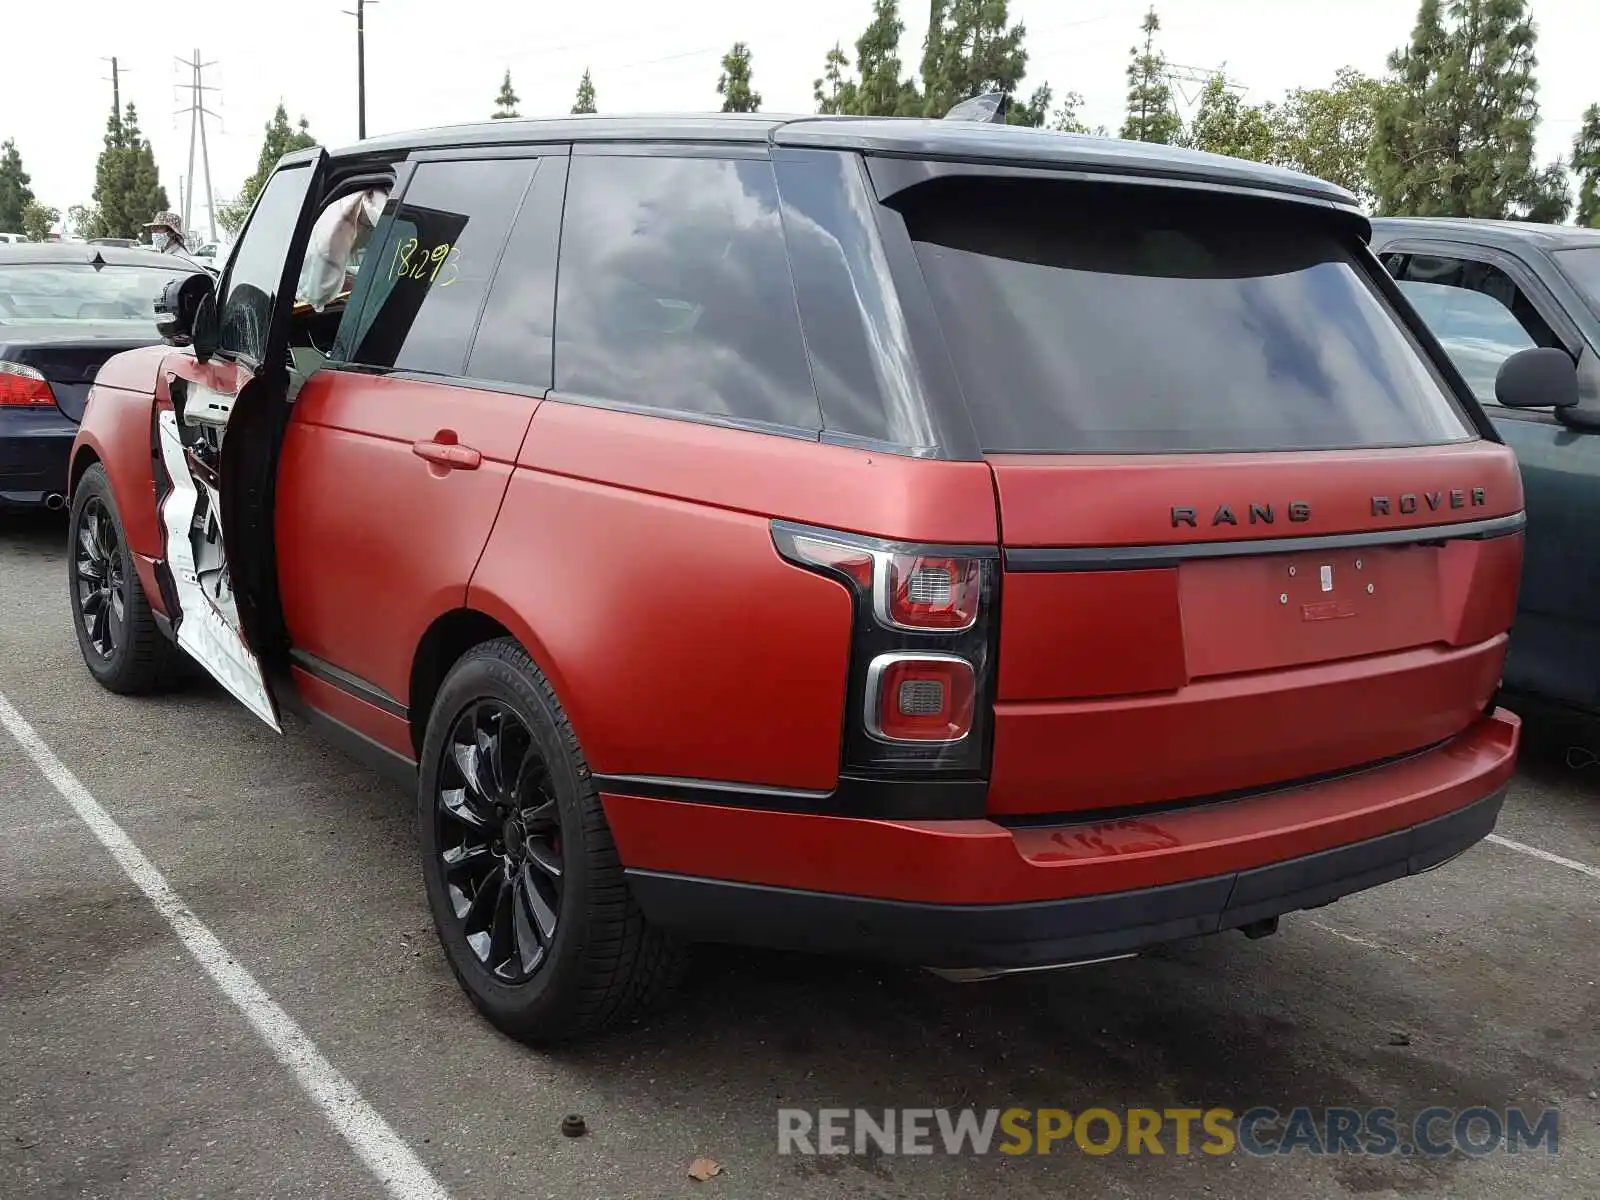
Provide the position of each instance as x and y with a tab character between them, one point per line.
453	261
401	264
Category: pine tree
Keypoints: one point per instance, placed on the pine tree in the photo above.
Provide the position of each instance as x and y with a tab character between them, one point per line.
1586	165
834	93
971	49
15	194
1224	124
505	104
1066	119
1548	197
734	84
585	101
1457	137
881	91
127	187
877	89
279	138
1151	115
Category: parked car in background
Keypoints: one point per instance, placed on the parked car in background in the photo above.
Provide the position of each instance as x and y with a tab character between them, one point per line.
64	309
124	243
1489	290
852	554
13	239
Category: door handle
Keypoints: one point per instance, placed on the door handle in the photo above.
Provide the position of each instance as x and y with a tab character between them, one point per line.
448	455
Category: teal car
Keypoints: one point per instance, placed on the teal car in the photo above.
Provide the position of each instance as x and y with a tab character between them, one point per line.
1486	290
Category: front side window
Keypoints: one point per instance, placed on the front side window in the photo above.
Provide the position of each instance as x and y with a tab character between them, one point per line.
419	299
1582	267
1101	318
256	271
674	291
1476	330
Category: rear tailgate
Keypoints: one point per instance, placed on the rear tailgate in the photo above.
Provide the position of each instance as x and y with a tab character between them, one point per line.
1251	536
1142	662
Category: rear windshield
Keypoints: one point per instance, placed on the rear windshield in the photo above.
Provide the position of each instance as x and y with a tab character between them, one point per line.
1142	319
60	293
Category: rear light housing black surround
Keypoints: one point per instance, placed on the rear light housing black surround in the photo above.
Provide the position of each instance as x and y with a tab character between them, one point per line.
923	656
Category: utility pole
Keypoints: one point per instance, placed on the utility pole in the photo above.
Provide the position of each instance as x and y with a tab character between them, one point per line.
198	112
360	15
116	86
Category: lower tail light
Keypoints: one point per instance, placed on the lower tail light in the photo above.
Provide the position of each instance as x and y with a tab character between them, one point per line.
923	648
21	386
920	697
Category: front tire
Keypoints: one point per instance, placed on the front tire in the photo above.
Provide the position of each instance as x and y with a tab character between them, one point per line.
122	646
527	892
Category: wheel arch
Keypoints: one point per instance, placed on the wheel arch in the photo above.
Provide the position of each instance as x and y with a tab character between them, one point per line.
451	635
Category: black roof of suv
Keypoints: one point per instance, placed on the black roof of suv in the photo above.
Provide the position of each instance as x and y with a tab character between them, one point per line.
1002	145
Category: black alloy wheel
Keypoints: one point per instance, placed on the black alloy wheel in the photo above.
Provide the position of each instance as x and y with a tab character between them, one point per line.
498	835
101	586
528	894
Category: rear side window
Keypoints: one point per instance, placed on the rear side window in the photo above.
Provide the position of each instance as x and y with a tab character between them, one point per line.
423	291
674	291
1141	319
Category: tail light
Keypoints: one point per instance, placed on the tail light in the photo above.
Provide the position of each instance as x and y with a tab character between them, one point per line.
922	650
23	387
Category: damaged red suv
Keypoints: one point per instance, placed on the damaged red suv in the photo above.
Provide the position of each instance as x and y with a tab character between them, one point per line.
976	547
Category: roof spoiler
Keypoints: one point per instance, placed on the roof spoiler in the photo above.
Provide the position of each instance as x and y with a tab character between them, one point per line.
987	109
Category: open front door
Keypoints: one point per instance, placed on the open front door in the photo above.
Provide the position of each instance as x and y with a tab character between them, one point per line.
217	430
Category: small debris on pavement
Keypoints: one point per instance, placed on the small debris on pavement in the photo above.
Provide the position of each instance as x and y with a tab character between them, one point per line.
572	1125
1399	1039
704	1168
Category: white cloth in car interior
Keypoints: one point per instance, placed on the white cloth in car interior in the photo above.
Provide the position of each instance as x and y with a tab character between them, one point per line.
333	238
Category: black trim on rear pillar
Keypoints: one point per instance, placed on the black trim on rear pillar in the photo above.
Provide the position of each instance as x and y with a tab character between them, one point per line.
1139	558
1053	931
350	685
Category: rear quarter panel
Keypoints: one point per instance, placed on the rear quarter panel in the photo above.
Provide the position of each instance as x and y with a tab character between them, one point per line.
633	558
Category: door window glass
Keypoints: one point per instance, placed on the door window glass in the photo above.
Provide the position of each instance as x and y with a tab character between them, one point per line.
1476	310
514	339
675	292
258	263
423	294
1477	331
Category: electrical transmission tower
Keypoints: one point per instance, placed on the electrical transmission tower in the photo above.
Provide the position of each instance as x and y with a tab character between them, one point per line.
1183	78
198	112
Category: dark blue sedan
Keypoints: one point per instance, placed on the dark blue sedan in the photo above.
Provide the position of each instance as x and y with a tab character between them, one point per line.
64	310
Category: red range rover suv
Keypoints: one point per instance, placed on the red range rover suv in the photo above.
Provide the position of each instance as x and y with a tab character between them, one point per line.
977	547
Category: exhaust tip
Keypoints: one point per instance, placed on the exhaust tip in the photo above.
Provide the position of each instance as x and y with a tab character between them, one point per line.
55	501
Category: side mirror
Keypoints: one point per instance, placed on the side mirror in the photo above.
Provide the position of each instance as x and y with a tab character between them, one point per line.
186	313
1537	378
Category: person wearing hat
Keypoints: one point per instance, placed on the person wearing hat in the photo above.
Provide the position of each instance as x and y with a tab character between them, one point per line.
166	233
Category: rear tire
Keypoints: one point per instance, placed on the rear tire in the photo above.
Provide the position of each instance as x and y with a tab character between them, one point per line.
121	643
527	892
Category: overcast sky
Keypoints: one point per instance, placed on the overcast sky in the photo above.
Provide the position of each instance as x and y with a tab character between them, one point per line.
433	62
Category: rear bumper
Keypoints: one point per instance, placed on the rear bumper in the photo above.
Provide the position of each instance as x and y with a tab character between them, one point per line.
35	445
976	894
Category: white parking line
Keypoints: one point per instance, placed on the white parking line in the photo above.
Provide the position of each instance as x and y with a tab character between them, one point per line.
378	1146
1571	864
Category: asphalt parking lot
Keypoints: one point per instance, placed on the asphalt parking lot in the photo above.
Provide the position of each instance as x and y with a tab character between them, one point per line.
125	1070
